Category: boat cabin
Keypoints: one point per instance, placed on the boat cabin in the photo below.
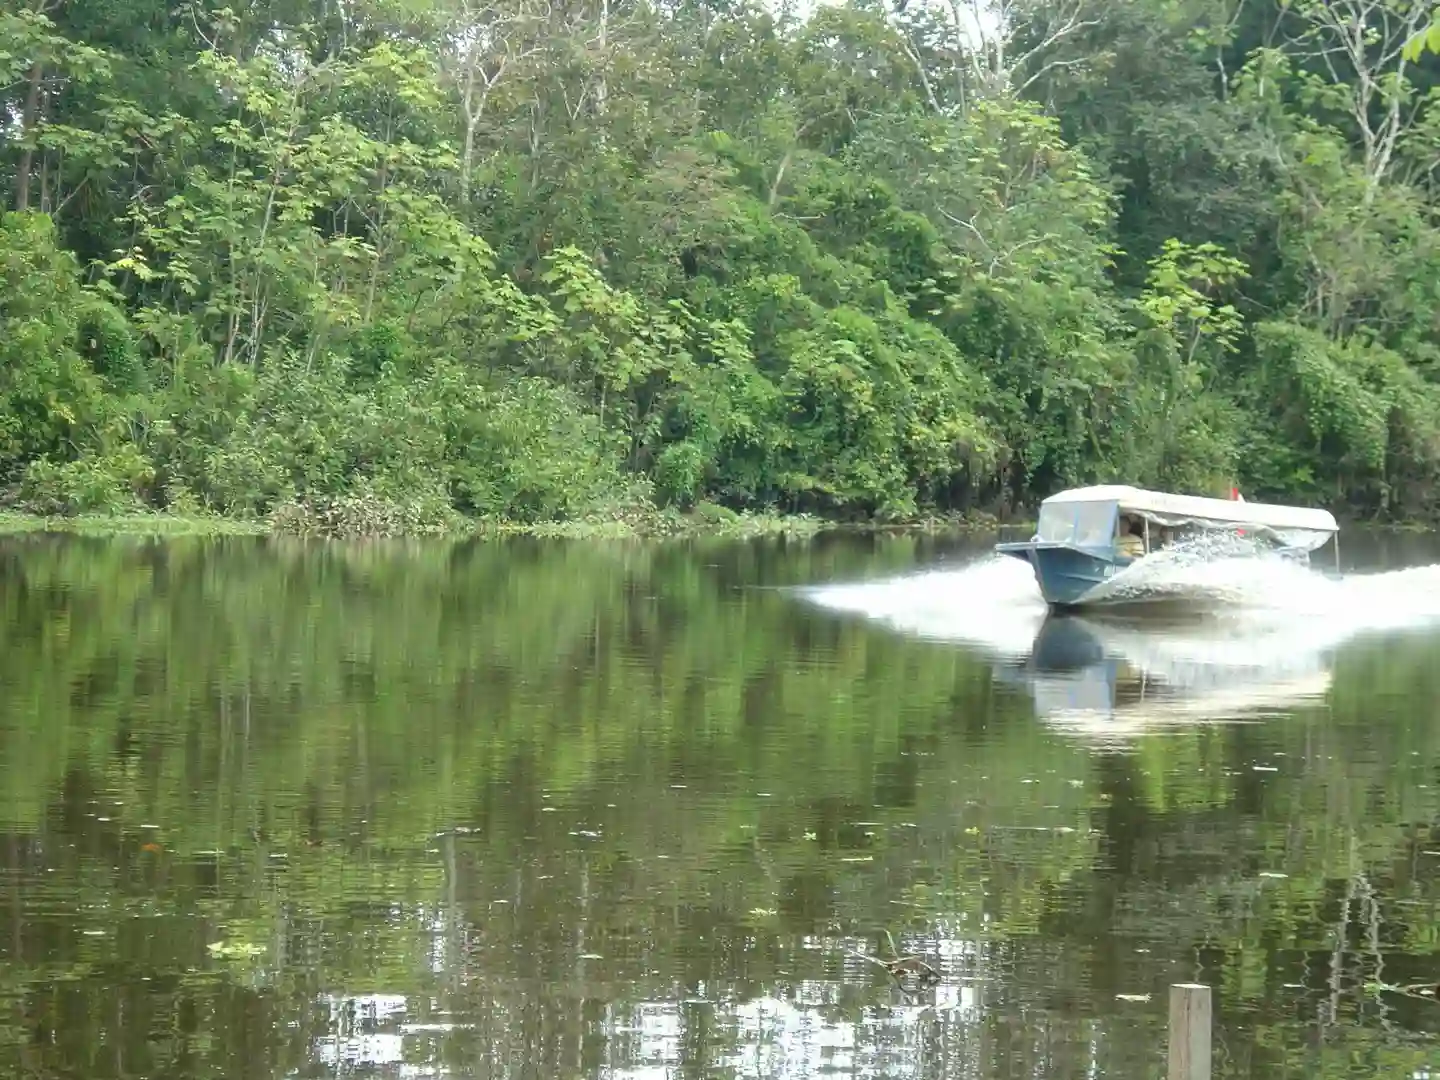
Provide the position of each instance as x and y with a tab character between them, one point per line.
1096	519
1087	535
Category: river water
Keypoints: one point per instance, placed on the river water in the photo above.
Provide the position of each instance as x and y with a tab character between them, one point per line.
525	809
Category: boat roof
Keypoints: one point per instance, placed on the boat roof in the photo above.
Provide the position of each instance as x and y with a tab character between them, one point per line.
1197	507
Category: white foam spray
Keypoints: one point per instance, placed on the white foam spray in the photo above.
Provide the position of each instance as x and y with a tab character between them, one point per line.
1259	621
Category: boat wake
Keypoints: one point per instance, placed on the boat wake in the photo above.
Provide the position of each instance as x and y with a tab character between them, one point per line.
1218	570
994	602
1245	633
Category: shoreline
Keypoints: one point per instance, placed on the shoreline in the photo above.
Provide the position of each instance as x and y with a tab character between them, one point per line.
661	525
656	526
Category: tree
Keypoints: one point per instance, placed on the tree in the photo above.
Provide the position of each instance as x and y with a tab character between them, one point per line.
876	260
1362	48
995	49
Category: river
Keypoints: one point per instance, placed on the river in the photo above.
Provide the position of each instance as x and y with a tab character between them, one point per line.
555	809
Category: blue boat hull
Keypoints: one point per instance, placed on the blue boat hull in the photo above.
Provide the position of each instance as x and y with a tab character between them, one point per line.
1065	573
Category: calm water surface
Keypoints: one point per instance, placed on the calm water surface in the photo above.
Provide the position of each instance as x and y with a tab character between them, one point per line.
525	809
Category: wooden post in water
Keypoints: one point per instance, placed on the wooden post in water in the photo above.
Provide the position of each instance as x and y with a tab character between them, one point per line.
1189	1032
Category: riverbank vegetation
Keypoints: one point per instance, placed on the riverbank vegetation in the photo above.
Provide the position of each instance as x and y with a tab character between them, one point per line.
588	261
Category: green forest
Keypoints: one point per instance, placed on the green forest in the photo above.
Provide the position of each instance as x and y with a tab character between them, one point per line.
398	264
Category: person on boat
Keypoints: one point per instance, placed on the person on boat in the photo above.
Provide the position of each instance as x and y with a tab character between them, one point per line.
1129	543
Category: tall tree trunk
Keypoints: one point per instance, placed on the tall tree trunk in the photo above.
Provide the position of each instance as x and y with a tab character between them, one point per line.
601	90
29	119
467	157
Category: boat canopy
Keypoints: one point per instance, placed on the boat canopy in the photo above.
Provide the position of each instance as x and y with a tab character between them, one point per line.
1083	514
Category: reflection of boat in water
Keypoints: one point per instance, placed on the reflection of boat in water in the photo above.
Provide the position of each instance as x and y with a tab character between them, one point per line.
1112	679
1086	538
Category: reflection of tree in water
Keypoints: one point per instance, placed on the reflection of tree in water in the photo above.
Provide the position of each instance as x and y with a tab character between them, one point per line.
457	832
1133	686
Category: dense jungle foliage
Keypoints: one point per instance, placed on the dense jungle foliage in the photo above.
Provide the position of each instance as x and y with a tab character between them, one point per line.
552	259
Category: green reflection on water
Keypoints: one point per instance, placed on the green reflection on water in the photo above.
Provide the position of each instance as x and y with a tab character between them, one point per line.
547	809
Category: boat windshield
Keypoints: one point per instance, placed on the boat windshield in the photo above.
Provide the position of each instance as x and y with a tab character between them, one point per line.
1084	524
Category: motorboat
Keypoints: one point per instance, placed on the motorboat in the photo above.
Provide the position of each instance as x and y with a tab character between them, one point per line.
1085	536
